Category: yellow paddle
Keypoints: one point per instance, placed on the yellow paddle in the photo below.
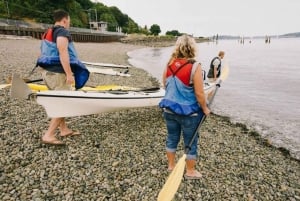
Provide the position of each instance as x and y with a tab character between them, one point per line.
170	187
2	86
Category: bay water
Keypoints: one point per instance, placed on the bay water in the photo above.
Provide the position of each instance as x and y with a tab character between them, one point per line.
262	90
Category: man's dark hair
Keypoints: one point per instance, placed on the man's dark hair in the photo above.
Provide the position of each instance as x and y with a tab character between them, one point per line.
58	15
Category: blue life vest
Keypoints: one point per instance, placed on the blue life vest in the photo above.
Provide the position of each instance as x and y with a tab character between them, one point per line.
50	57
179	97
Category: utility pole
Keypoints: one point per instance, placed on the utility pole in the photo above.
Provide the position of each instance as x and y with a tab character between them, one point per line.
8	14
89	14
7	8
94	10
96	14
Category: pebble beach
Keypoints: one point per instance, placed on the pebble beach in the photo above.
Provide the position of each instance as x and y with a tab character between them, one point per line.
121	155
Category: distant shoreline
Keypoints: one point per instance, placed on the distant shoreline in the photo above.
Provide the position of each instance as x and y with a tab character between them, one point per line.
155	41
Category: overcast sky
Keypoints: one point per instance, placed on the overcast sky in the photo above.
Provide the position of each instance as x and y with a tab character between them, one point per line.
210	17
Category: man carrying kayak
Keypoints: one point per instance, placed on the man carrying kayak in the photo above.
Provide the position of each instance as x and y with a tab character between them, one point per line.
215	67
58	70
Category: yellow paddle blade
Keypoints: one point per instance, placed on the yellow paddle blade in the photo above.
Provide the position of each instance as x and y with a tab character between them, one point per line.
108	88
41	87
38	87
99	88
170	188
224	73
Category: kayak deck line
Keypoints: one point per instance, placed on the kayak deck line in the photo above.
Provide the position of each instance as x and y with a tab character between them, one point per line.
106	64
116	96
107	71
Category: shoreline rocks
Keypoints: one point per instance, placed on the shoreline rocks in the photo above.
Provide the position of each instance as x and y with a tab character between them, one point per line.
154	41
121	155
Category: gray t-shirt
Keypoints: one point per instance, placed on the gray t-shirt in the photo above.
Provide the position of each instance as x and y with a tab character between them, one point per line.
59	31
216	63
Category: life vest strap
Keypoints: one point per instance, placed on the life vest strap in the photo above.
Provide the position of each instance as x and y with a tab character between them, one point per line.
48	35
178	69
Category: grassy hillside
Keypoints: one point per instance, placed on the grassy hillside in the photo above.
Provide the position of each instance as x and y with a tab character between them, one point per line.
80	11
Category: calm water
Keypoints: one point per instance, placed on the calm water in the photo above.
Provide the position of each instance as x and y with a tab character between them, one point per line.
262	90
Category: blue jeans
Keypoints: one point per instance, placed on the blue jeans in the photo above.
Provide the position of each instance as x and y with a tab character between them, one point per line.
185	124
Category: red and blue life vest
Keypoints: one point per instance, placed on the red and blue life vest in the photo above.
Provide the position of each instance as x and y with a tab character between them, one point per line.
50	57
181	68
180	96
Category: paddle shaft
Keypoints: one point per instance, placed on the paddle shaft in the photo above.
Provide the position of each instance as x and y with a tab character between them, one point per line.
188	148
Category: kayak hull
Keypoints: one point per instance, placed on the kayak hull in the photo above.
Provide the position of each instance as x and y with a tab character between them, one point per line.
77	103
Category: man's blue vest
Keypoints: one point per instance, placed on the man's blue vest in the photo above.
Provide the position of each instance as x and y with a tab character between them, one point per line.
50	57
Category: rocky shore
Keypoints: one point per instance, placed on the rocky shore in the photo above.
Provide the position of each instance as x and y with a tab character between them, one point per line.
121	155
154	41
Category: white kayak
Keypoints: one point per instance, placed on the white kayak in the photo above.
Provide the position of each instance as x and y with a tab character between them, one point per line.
107	71
105	64
77	103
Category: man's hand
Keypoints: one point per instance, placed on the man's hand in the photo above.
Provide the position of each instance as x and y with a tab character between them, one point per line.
70	79
62	46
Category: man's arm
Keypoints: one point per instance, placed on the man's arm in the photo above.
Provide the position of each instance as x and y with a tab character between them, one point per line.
62	46
216	64
215	72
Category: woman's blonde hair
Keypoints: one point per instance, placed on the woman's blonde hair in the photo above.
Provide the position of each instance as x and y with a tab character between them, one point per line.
185	47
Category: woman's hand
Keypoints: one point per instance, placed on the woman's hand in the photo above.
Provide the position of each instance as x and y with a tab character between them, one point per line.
206	111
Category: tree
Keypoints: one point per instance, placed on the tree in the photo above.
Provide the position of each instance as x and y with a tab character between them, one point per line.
111	20
144	30
132	27
173	33
155	29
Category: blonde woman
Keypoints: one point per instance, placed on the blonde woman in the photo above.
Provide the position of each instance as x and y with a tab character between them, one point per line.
184	103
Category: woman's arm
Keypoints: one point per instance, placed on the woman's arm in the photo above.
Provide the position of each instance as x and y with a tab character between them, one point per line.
164	78
199	90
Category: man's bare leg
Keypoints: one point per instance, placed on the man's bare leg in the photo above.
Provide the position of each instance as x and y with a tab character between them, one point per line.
49	136
64	130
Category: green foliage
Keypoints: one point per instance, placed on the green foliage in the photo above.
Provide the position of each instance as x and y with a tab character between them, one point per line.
173	33
144	30
3	10
155	29
81	11
132	27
